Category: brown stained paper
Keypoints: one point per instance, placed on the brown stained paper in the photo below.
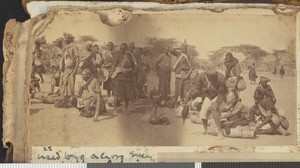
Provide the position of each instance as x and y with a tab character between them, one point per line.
43	132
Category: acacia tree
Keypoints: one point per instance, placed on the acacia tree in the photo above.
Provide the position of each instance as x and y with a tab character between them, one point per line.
156	46
251	52
82	41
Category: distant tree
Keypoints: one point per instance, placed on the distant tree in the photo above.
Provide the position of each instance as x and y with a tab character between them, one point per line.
156	46
47	54
251	52
87	38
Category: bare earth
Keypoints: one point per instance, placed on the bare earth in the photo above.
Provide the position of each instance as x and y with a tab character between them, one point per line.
63	127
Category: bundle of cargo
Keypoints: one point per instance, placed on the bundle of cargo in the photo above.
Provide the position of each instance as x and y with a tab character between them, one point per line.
245	132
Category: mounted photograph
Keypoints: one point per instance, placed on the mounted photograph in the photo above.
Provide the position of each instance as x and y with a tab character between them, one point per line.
165	81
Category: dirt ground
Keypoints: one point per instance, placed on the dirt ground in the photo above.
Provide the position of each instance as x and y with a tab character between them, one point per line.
63	127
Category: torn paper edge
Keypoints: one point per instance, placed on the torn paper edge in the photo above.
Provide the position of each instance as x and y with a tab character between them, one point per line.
35	8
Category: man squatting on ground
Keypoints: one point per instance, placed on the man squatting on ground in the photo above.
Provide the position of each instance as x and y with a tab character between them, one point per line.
265	108
90	94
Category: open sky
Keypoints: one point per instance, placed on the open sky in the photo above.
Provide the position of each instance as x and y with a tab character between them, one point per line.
206	32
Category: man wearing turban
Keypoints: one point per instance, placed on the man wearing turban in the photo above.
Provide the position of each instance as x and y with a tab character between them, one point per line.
68	66
264	90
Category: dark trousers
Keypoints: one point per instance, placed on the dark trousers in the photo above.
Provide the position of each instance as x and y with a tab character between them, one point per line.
164	78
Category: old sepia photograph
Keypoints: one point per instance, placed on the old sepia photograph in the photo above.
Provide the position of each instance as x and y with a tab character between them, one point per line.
164	80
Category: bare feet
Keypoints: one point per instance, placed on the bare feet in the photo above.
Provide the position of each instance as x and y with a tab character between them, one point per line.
95	119
220	135
115	113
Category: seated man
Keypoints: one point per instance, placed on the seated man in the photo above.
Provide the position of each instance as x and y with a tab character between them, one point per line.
235	113
265	89
89	94
269	115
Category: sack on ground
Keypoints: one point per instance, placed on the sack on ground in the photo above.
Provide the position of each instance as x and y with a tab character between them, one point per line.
49	99
111	101
196	119
161	119
284	122
241	85
61	103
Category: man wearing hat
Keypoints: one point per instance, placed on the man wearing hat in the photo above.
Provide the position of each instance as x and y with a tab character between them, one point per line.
264	90
210	85
183	70
68	66
163	66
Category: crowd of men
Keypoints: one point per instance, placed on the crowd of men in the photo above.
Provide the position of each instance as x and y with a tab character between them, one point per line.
127	70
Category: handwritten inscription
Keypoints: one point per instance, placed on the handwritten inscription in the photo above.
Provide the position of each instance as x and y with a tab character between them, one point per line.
117	158
140	155
50	154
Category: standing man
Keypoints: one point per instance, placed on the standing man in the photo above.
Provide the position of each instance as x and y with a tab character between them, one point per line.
282	71
163	66
55	60
183	70
123	67
142	71
131	49
252	73
108	61
68	66
275	71
87	59
233	67
210	85
37	64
